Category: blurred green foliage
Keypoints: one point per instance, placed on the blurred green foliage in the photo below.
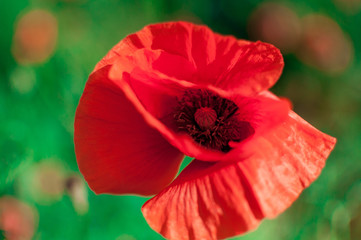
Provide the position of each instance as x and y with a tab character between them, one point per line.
38	103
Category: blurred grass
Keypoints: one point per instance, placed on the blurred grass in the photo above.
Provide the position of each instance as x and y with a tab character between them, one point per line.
38	102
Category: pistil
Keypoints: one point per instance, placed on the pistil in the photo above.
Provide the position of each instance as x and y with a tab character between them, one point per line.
212	121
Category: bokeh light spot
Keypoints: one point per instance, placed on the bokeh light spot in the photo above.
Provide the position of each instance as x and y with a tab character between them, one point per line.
324	45
22	79
277	24
17	219
349	6
35	37
78	192
44	181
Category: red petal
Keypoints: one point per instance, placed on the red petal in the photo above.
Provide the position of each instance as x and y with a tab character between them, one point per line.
223	199
222	61
153	76
245	68
154	93
262	112
117	151
146	81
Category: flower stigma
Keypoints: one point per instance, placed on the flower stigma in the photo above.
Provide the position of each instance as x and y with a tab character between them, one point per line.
205	117
212	121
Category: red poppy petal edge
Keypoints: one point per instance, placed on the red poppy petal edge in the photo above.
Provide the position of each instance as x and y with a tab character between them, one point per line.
222	61
246	68
157	94
219	200
117	151
153	94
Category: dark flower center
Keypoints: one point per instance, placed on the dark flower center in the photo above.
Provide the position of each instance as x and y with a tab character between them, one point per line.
212	121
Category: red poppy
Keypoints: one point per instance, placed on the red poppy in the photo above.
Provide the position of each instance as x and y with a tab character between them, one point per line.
175	89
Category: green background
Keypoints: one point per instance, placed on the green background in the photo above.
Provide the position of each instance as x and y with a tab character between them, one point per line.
37	126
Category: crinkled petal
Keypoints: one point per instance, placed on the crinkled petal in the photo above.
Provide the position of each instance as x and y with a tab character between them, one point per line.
153	76
222	61
145	80
117	151
222	199
154	95
263	112
245	68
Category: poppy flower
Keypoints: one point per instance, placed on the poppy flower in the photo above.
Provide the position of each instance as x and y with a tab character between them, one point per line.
175	89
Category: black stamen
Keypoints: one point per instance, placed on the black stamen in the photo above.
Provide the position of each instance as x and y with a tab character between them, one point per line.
212	121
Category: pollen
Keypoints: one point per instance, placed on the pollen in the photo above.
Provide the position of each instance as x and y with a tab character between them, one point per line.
212	121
